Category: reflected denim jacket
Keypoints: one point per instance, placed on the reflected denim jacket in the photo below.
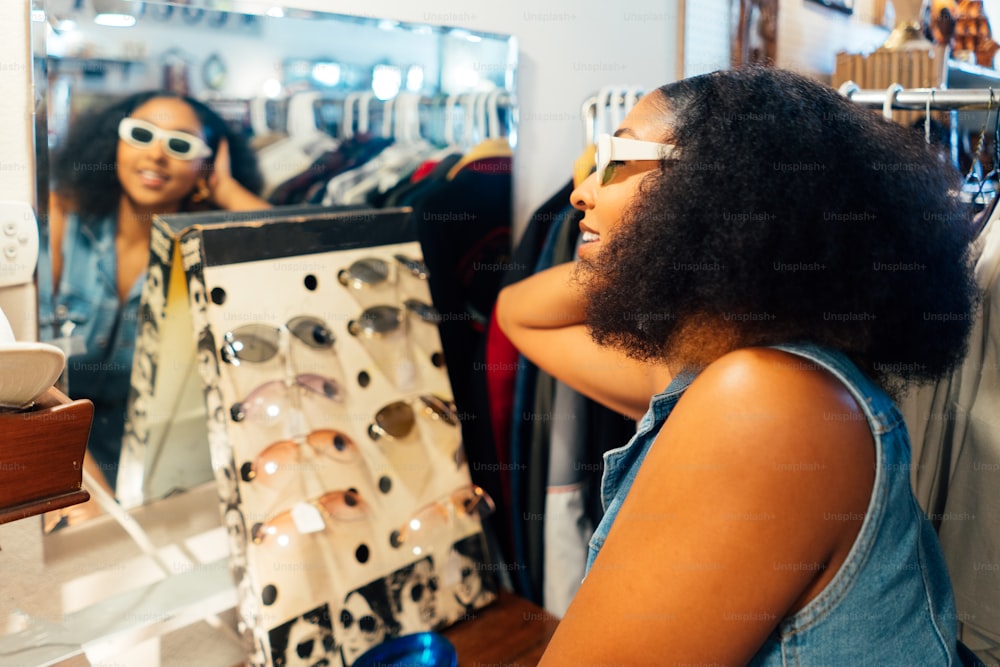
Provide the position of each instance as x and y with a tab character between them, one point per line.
85	315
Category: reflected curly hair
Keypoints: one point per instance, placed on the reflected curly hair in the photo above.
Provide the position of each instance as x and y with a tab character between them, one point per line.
84	171
791	214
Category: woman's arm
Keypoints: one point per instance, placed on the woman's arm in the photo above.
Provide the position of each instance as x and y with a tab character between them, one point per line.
226	192
727	528
543	317
57	231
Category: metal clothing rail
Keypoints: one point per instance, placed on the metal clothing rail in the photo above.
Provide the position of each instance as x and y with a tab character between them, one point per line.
940	99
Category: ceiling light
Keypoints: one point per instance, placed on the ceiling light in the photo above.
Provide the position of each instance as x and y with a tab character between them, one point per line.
116	13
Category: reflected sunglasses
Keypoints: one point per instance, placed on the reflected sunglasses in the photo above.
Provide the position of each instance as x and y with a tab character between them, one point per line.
422	528
368	624
397	419
267	402
261	342
181	145
286	528
612	152
286	455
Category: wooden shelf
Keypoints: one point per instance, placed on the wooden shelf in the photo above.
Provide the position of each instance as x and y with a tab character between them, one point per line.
41	456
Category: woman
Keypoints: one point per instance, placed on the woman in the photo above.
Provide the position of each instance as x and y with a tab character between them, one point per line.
366	620
151	153
780	261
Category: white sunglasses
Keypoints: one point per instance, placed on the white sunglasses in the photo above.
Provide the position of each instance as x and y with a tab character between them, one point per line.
613	150
181	145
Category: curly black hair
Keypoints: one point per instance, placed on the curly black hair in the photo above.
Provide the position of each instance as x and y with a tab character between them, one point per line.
791	214
83	169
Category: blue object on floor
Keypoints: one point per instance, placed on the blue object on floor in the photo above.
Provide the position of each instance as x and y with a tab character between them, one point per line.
421	649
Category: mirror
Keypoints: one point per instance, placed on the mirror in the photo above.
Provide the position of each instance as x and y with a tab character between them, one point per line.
250	62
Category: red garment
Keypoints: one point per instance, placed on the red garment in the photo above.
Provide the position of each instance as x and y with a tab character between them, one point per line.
501	374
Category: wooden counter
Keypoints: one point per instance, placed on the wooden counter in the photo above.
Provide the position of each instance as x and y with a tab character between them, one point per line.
510	632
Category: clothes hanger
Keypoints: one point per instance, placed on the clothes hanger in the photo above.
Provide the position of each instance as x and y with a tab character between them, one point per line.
302	115
347	131
364	102
632	96
388	128
890	99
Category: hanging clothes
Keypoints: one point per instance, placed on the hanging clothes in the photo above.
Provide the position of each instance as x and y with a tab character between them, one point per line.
955	431
463	222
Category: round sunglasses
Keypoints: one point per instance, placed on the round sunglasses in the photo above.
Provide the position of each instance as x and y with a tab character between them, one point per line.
368	624
181	145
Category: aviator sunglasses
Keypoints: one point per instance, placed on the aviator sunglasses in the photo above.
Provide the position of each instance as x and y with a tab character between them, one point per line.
181	145
288	528
268	402
430	522
612	152
279	459
397	419
261	342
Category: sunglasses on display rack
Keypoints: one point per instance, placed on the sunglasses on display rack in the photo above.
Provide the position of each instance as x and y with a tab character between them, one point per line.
421	530
261	342
612	152
181	145
268	402
414	267
279	459
398	419
365	272
376	321
286	528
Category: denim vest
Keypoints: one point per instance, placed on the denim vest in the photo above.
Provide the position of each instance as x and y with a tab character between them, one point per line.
891	601
86	316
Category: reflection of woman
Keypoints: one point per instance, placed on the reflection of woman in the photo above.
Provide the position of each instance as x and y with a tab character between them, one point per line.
151	153
762	513
365	620
414	595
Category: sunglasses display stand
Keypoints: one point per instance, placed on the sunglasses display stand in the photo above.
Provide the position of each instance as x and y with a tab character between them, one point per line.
330	425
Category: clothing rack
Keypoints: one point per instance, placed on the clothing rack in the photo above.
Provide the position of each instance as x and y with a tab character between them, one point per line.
614	101
940	99
952	100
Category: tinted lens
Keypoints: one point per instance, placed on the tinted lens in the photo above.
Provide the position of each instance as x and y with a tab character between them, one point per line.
380	319
344	505
440	409
396	419
346	619
608	173
333	444
417	592
425	312
473	500
182	147
415	267
323	386
369	271
141	135
253	342
311	331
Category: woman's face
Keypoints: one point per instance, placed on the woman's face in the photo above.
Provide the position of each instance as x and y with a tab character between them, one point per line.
418	596
470	584
150	178
605	205
307	645
361	628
